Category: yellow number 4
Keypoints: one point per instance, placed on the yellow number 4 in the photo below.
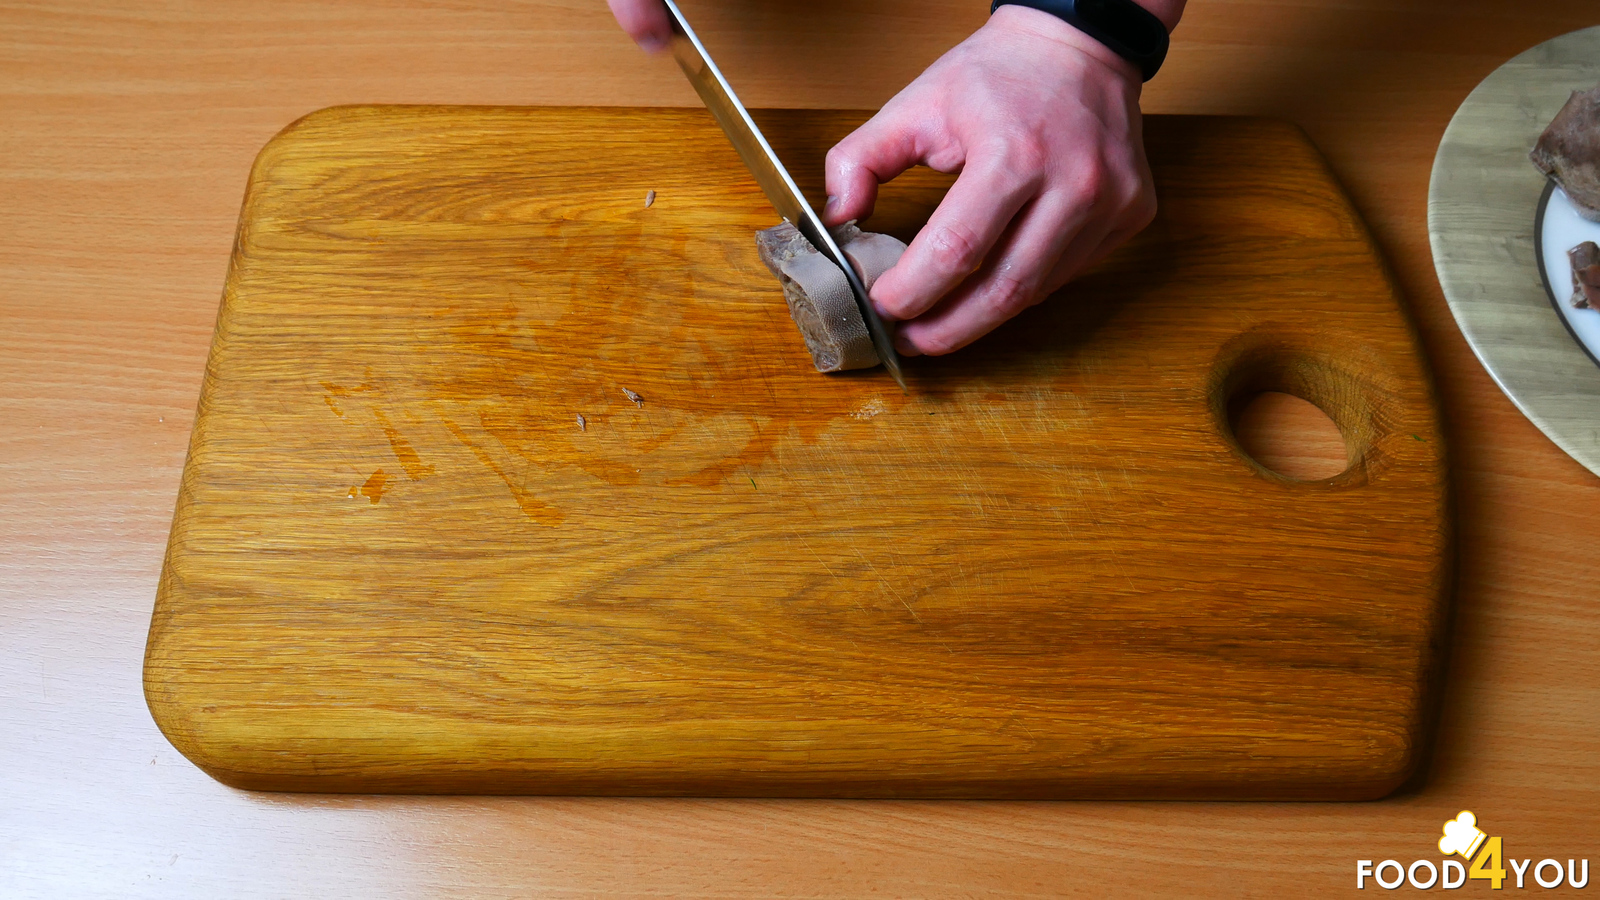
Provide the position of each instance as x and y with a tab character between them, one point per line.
1487	857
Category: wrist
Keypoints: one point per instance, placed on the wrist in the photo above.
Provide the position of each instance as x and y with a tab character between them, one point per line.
1026	21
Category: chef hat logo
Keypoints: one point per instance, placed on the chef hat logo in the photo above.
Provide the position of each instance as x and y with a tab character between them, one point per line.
1461	835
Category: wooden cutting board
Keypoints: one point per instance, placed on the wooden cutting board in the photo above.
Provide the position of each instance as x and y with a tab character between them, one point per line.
400	563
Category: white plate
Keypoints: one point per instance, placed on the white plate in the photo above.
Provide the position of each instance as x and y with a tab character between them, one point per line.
1557	229
1489	236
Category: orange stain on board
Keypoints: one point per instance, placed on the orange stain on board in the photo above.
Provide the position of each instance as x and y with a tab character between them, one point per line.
505	350
416	469
757	449
373	489
532	507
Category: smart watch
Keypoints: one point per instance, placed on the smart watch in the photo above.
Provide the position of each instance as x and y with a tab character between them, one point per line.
1131	31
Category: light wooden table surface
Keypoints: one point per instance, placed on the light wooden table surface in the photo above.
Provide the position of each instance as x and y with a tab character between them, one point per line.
126	131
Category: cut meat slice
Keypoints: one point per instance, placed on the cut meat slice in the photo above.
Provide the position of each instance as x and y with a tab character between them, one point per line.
1569	151
819	297
1585	260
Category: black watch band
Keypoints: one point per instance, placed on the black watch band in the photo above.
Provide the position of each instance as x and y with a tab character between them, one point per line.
1131	31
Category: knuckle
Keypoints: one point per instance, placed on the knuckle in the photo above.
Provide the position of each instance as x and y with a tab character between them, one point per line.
1093	189
943	151
896	308
1029	155
1089	181
1008	295
891	299
936	344
954	248
1133	199
1144	210
946	159
1130	184
1016	161
839	157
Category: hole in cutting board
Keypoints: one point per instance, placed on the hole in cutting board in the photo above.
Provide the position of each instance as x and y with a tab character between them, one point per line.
1288	435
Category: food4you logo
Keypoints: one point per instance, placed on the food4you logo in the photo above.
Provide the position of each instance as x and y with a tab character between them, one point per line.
1463	838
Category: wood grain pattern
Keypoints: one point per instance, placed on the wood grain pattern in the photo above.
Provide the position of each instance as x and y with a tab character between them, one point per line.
1481	206
129	130
1288	435
399	564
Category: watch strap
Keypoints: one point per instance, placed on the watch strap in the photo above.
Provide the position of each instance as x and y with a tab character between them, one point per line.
1128	29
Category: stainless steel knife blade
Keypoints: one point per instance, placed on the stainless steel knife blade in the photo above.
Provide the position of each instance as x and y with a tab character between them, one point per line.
770	174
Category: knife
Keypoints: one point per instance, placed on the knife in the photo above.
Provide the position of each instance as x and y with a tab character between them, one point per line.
770	174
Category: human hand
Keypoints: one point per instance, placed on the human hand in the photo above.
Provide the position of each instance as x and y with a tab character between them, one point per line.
645	21
1043	124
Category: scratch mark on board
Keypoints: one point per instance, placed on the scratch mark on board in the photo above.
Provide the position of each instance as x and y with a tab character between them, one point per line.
535	509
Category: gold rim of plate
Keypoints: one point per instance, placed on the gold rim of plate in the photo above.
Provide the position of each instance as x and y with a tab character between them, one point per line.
1483	203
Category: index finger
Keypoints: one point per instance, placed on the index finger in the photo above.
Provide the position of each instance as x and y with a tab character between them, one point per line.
646	21
959	234
879	150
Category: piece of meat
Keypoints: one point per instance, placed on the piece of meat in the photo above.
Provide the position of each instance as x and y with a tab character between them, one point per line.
1569	151
818	295
1585	259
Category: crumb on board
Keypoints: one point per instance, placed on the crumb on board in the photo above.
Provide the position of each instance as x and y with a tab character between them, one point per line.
637	400
649	199
583	424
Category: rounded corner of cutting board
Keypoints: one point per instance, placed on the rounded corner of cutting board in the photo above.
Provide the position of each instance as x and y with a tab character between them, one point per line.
178	718
229	755
329	116
326	119
1390	770
176	699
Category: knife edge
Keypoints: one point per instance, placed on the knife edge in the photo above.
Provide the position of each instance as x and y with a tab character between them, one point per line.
771	175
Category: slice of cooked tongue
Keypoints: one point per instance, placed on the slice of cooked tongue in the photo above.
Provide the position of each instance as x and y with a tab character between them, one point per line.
1585	260
818	295
1569	151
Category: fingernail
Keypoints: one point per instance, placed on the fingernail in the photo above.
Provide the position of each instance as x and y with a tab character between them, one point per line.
653	43
831	205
